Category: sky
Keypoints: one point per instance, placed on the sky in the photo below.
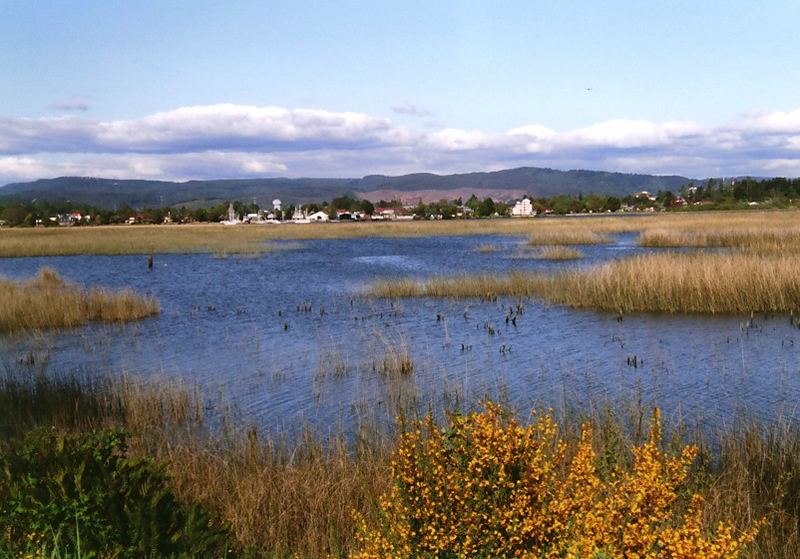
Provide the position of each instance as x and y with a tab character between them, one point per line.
207	89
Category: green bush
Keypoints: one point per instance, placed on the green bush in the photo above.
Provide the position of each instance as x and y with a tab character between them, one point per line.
83	492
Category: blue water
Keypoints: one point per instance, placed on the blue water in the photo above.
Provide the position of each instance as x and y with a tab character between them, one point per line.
288	338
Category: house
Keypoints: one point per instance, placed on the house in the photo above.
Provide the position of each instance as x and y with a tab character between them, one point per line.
645	194
385	213
131	220
523	208
70	218
318	216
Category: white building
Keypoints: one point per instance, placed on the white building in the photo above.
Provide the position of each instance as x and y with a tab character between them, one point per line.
523	208
319	216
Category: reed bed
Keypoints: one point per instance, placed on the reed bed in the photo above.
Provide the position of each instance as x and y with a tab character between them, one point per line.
556	252
666	282
763	239
297	495
145	239
487	248
210	238
47	301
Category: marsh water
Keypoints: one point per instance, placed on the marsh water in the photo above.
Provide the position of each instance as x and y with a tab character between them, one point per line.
288	338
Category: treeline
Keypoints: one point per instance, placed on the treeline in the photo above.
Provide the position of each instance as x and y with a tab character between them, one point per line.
777	190
30	214
710	194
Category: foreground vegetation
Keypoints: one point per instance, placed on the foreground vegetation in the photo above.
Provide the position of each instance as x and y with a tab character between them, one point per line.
420	486
486	486
48	301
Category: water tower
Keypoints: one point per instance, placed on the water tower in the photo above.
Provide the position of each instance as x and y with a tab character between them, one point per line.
276	204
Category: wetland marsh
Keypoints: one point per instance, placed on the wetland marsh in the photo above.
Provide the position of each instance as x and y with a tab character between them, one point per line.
294	336
274	384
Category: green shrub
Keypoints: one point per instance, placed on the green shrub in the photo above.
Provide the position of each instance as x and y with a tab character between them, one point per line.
82	492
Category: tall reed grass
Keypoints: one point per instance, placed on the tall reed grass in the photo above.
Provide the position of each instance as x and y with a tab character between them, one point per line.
665	282
47	301
762	239
556	252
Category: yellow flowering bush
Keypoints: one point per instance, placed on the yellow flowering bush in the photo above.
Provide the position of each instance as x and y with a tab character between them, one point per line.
486	486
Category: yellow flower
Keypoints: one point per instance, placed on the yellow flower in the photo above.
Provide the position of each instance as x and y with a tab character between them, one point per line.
487	486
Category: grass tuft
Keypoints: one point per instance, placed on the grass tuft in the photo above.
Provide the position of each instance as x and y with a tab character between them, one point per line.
48	301
556	252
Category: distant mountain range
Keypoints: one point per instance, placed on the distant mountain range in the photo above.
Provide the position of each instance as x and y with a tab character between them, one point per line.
501	185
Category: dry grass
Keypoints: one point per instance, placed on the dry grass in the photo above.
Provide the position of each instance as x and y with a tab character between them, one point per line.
145	239
153	239
758	475
669	282
487	248
394	356
47	301
556	252
763	239
283	499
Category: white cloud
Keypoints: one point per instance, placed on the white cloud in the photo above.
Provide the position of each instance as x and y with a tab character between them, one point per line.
228	140
21	168
182	166
625	134
220	126
780	122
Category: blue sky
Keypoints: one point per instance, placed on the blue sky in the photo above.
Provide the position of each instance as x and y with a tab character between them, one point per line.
200	89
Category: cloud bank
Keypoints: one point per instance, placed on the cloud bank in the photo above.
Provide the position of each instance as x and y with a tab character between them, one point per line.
227	140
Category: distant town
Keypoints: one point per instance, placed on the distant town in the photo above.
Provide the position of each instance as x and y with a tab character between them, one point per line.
712	194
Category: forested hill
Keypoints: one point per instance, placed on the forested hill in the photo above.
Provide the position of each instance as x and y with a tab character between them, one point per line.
110	193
